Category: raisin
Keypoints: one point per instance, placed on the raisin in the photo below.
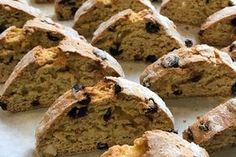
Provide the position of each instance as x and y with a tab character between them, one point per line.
176	90
67	2
204	126
107	115
171	61
76	112
77	87
188	43
232	47
207	1
2	28
73	10
151	58
3	105
152	27
102	146
115	50
190	135
86	100
196	77
117	88
233	22
152	109
52	38
35	103
233	89
100	54
201	32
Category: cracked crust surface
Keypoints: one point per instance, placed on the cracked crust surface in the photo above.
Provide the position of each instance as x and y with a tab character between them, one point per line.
219	28
192	12
93	12
43	74
197	71
215	129
157	143
140	36
129	104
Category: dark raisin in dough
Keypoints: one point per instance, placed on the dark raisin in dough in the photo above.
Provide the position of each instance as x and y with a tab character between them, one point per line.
204	126
201	32
2	28
115	50
152	27
188	43
3	105
102	146
117	88
107	115
207	1
190	134
77	87
86	100
52	38
73	10
152	109
151	58
171	61
232	47
233	22
196	77
35	103
233	89
76	112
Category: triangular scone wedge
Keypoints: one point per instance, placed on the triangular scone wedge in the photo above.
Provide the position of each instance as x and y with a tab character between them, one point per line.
216	129
219	28
114	111
93	12
197	71
15	13
191	11
16	42
137	36
157	143
44	74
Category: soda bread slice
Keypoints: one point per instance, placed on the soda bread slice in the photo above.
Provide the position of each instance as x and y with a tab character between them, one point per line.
157	143
137	36
216	129
193	12
114	111
93	12
197	71
231	50
219	28
15	42
15	13
66	9
44	74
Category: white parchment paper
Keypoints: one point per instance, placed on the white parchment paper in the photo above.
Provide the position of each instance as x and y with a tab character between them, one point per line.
17	130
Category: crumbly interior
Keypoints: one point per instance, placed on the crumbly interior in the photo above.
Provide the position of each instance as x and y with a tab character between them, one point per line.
13	17
53	73
65	10
17	43
134	42
90	21
193	12
94	130
194	81
220	34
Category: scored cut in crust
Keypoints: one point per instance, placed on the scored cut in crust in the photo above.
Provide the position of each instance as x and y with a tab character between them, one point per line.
114	111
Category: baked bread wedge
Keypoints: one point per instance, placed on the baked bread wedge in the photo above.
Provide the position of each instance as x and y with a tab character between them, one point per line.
137	36
66	9
157	143
15	13
114	111
192	12
16	42
216	129
44	74
219	28
197	71
93	12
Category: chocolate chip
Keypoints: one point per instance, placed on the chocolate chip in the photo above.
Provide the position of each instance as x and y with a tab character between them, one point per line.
233	89
2	28
152	27
115	50
201	32
100	54
190	134
152	109
171	61
35	103
196	77
102	146
73	10
3	105
151	58
107	115
204	126
232	47
77	87
117	88
188	43
76	112
233	22
86	100
52	38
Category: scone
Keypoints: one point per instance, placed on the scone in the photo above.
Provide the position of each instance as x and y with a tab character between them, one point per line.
137	36
157	143
93	12
197	71
231	50
219	28
15	42
44	74
114	111
15	13
216	129
66	9
193	12
46	1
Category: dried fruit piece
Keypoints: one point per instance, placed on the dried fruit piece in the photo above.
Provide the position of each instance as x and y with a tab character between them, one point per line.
171	61
152	27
